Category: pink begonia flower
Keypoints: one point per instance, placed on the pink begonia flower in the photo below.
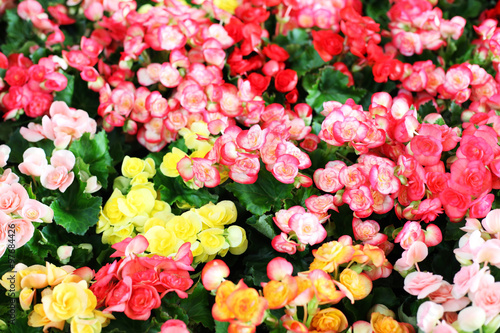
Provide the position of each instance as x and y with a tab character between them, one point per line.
55	178
4	155
129	246
174	326
307	228
421	284
491	222
411	232
214	273
444	327
283	216
444	297
286	168
12	197
278	268
433	235
24	230
489	252
64	158
320	204
327	179
368	231
469	245
361	326
471	318
36	211
416	253
428	316
8	177
469	278
281	244
34	161
487	297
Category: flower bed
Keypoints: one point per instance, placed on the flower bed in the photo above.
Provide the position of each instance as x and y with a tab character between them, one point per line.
249	166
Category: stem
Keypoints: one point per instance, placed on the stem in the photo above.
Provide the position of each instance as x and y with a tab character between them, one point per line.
305	314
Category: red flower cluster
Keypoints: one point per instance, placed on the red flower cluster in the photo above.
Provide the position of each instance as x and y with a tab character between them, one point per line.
135	285
29	87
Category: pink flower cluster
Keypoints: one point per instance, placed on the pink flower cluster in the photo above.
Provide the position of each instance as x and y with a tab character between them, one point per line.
54	176
472	301
135	285
405	163
29	87
63	126
306	227
417	25
17	210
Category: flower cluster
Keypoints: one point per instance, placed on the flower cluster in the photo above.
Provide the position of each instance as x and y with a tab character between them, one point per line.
65	297
29	88
471	302
309	289
139	212
136	284
17	210
62	126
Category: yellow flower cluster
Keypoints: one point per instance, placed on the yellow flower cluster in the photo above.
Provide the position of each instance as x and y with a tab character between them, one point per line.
65	298
140	212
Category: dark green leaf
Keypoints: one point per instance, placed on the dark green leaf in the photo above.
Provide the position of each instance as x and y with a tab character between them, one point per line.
298	36
221	327
197	306
267	192
95	153
66	95
76	211
330	85
264	224
173	190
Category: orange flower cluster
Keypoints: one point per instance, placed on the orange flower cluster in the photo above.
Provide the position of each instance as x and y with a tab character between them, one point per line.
245	307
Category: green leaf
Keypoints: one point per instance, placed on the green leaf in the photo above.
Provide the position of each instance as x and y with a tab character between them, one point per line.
221	326
66	95
76	211
18	31
298	36
123	324
264	224
386	296
197	306
267	192
329	85
304	58
95	153
173	190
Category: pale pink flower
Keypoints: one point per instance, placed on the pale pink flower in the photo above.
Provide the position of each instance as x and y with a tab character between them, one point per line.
55	178
487	297
34	161
411	232
8	177
24	230
444	297
4	155
12	197
491	222
421	284
428	316
444	327
36	211
469	245
471	318
307	228
64	158
468	279
489	252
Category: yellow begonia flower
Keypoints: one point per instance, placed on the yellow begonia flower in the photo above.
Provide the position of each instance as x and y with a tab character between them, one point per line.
85	325
212	216
150	167
138	201
186	226
161	207
231	212
132	166
112	210
169	165
153	222
227	5
38	318
138	221
140	179
26	297
65	301
123	232
162	241
237	239
212	240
